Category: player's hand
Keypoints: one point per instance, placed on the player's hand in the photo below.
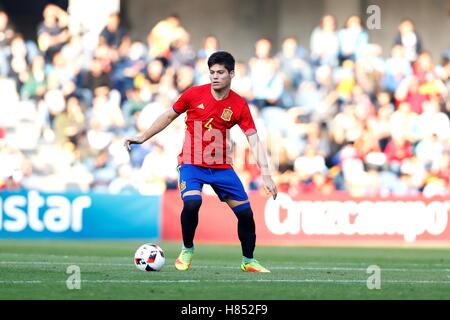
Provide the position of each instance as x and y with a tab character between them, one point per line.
270	186
131	140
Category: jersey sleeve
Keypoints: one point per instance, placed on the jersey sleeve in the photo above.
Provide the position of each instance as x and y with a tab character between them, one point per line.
183	102
246	122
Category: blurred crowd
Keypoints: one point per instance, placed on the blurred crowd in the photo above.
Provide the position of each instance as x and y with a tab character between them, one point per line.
339	116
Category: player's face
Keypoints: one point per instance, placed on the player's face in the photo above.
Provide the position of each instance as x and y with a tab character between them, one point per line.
220	77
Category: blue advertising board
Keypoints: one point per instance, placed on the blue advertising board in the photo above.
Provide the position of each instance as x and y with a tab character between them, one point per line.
33	214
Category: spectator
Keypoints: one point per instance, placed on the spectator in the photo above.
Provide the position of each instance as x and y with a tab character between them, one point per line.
35	81
242	84
70	123
404	123
310	163
379	125
6	30
124	182
53	32
397	151
6	35
113	33
96	78
106	110
345	79
409	91
182	53
369	68
210	45
162	36
184	78
430	151
433	121
307	99
409	39
130	68
325	43
352	39
293	69
397	68
267	82
18	61
424	71
293	62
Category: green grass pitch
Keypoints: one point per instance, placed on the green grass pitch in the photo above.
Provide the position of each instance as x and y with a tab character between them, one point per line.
38	270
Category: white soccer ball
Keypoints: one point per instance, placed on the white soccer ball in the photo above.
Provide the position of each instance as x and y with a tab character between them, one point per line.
149	257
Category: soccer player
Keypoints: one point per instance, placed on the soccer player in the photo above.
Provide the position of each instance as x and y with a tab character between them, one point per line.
211	110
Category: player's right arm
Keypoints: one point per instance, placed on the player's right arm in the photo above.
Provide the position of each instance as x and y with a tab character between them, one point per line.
180	106
160	124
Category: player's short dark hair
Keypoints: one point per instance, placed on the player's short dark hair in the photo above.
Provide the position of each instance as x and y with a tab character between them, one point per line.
223	58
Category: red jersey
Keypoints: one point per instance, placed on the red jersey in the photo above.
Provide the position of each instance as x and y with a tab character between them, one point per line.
206	141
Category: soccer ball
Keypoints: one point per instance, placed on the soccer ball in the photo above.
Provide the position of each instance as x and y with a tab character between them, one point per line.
149	257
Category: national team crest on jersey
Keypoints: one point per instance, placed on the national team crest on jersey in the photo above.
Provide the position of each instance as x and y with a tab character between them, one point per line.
226	114
182	185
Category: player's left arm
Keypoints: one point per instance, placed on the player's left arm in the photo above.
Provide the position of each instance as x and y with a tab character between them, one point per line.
257	148
260	155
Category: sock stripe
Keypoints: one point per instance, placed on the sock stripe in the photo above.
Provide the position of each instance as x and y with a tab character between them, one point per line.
241	207
192	197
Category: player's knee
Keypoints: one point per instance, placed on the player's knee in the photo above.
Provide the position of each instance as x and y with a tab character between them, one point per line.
243	210
192	203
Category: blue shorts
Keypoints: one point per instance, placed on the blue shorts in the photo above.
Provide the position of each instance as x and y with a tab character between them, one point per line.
225	182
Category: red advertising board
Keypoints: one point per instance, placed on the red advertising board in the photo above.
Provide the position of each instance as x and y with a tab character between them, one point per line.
320	220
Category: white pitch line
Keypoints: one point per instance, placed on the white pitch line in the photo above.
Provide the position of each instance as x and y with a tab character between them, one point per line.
333	269
335	281
349	264
20	281
312	263
143	281
232	267
67	263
